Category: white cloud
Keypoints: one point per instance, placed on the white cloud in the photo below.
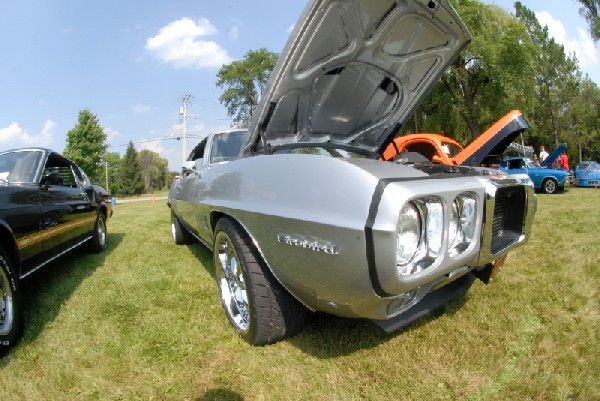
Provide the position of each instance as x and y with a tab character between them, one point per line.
583	47
111	134
14	136
141	108
178	43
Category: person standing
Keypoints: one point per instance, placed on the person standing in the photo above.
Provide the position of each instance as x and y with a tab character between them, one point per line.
543	154
564	161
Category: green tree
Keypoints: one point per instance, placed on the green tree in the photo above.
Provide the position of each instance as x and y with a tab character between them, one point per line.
583	122
556	77
589	10
86	145
488	79
245	81
155	172
112	161
129	180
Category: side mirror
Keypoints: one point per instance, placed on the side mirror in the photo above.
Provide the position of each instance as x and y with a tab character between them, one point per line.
188	167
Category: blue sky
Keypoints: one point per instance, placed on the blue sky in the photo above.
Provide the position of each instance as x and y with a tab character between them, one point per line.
131	64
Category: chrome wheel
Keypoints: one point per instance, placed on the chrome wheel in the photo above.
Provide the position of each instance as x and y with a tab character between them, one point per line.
231	282
550	186
6	304
101	232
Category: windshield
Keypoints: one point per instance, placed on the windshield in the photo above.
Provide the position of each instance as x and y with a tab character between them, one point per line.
451	149
589	166
532	164
19	166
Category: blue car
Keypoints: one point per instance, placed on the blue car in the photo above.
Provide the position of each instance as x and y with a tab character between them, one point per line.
544	177
587	174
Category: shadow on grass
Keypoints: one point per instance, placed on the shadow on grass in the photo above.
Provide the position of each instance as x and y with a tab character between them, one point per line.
328	336
47	289
220	394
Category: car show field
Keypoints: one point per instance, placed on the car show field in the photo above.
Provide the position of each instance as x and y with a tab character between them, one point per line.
143	321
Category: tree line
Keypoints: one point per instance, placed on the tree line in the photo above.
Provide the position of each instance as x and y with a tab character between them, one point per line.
133	174
512	63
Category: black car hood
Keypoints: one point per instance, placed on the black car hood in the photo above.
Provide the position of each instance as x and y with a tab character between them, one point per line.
353	71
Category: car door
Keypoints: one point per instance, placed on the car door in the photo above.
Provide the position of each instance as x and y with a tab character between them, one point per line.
68	212
20	204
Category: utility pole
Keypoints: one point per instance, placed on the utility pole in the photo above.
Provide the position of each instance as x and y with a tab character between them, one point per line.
183	114
106	174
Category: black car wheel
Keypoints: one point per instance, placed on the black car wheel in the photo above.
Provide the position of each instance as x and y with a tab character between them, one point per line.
257	306
99	240
11	312
181	236
550	186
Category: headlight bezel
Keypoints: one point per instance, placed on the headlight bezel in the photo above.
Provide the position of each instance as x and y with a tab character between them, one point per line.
442	232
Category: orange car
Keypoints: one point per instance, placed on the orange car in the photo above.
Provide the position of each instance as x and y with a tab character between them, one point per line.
486	148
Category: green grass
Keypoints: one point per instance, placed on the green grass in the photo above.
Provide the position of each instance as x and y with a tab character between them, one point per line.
143	322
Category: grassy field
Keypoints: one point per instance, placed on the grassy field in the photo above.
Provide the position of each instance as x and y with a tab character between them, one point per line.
143	322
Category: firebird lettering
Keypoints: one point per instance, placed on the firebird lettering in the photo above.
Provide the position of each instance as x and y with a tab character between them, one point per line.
300	242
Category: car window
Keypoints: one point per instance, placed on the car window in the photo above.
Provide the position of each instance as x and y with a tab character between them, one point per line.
19	166
226	146
58	171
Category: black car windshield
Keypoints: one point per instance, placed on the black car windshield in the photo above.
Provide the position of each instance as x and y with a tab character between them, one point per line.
19	166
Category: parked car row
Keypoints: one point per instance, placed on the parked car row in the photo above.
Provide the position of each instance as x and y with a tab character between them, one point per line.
48	206
314	207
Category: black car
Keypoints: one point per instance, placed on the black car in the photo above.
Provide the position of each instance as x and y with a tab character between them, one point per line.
47	207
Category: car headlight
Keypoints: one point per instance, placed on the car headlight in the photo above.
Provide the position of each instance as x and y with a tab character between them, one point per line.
462	223
408	233
435	227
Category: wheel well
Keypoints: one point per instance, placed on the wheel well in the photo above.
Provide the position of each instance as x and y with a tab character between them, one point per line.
10	246
214	218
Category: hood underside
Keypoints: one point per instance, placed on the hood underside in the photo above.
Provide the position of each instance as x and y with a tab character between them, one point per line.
353	71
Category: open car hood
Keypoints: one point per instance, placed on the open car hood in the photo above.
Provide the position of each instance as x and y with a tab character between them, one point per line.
554	155
353	71
489	146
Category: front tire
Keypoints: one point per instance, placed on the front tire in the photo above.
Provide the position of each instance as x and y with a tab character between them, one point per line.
11	310
550	186
257	306
99	240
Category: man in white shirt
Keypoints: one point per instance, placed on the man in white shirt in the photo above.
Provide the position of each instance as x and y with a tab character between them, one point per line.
543	154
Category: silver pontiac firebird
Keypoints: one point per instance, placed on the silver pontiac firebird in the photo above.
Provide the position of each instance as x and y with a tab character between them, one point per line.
300	210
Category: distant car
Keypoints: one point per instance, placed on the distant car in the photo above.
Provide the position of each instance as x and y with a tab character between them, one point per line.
487	148
546	179
587	174
47	207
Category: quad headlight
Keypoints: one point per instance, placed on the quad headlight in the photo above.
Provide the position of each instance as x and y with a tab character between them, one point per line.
462	223
423	231
408	233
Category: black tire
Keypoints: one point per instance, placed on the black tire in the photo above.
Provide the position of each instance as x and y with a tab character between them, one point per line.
11	310
257	306
181	236
99	240
550	186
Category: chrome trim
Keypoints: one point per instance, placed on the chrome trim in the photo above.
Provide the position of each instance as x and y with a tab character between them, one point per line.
44	263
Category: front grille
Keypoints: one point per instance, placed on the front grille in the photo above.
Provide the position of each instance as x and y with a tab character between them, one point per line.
509	214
